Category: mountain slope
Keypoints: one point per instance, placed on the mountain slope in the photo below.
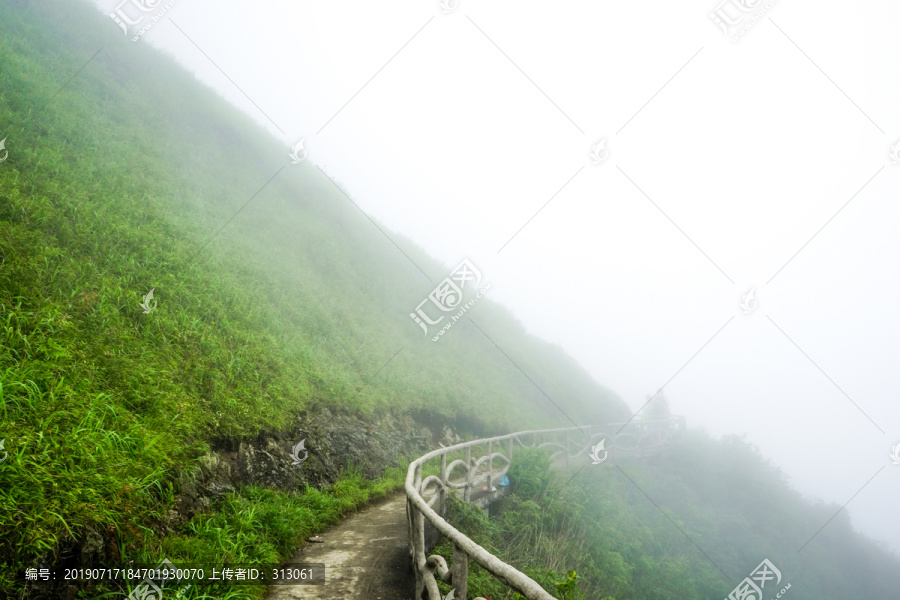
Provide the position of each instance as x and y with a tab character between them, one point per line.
272	294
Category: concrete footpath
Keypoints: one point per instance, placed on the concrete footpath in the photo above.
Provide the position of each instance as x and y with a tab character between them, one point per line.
366	556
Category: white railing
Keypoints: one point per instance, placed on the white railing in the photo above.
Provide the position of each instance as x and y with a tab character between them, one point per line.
644	437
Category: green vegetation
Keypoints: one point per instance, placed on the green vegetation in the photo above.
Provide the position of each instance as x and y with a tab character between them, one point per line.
629	533
277	295
125	175
257	525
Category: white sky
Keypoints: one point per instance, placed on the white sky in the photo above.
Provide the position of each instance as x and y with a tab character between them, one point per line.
462	136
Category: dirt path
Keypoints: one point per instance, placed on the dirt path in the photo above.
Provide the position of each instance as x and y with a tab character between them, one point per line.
366	556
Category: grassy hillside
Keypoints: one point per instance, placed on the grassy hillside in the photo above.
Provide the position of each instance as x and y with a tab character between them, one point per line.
275	294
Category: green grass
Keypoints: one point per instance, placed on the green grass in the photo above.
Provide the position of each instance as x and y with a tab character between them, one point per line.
121	173
101	406
259	526
578	540
663	528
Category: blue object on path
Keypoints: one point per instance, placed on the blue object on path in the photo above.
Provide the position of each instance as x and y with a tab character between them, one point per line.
504	481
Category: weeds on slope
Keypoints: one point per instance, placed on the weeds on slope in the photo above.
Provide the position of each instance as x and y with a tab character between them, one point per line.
104	196
587	540
256	525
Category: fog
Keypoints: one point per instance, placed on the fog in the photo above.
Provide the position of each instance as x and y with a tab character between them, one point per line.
759	164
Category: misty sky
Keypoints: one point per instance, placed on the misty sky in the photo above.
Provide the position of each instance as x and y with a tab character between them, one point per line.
724	160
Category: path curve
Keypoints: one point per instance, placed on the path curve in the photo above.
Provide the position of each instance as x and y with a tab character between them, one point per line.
366	557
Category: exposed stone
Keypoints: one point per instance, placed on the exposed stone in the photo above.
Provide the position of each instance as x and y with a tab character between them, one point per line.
333	440
91	548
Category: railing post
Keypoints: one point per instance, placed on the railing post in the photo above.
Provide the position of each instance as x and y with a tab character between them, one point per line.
490	467
410	530
510	449
419	548
469	472
460	572
443	494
